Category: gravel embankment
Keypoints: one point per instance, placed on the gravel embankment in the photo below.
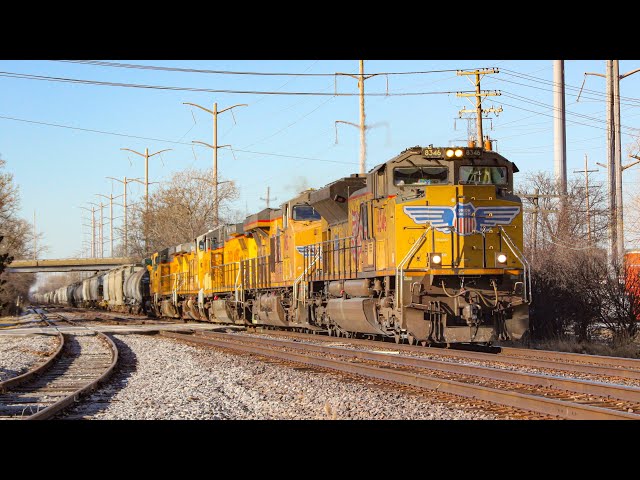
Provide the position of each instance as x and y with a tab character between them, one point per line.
159	378
20	353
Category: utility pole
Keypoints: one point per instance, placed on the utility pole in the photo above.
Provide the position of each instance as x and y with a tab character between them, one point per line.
617	148
93	229
215	148
559	144
110	198
536	206
146	187
35	238
363	141
361	77
586	179
268	197
146	157
100	229
478	95
124	182
472	123
614	157
559	127
535	200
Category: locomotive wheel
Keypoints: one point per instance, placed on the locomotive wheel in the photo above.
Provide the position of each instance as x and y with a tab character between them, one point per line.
411	340
396	336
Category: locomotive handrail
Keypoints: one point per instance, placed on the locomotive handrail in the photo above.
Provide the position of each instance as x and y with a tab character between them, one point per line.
237	283
407	259
527	268
328	250
302	275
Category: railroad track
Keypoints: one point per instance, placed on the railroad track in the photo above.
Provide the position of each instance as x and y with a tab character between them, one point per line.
80	364
541	394
117	318
621	368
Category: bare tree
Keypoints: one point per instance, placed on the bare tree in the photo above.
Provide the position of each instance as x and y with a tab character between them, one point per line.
5	259
17	243
576	291
557	230
179	211
544	229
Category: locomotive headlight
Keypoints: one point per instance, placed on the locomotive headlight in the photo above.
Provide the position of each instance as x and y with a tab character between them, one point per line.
435	259
449	153
458	153
501	258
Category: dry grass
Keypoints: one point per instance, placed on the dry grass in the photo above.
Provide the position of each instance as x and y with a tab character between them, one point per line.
629	350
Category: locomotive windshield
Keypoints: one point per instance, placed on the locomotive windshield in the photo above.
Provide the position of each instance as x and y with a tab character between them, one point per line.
305	212
483	175
420	176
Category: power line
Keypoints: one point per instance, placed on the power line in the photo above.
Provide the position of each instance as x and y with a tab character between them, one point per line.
102	63
103	132
291	124
24	76
546	105
636	102
532	78
541	104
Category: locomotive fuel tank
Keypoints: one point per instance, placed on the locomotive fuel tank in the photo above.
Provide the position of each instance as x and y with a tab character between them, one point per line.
355	315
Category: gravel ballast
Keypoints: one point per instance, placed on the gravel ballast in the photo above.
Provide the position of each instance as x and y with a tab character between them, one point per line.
159	378
20	353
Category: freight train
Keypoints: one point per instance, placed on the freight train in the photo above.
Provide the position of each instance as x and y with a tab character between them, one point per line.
426	247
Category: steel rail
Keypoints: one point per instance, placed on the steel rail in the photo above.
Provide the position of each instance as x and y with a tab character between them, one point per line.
620	392
72	397
525	360
601	360
39	370
64	402
561	409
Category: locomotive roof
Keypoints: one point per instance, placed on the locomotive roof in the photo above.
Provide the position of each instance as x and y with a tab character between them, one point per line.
439	153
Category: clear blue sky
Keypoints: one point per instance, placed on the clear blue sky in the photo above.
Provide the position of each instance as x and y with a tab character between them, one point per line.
59	170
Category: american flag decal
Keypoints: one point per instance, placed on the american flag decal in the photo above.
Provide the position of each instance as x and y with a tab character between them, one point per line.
464	218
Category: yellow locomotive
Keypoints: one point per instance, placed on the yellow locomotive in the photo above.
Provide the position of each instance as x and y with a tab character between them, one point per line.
426	247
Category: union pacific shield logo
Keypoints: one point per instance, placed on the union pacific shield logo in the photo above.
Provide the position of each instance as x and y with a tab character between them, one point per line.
463	218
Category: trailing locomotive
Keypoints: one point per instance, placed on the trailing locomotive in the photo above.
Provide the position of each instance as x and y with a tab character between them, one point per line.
426	247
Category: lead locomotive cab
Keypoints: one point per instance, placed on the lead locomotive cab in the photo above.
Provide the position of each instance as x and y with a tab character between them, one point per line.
446	166
461	276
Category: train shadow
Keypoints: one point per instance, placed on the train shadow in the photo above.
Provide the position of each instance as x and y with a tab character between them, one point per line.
100	399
